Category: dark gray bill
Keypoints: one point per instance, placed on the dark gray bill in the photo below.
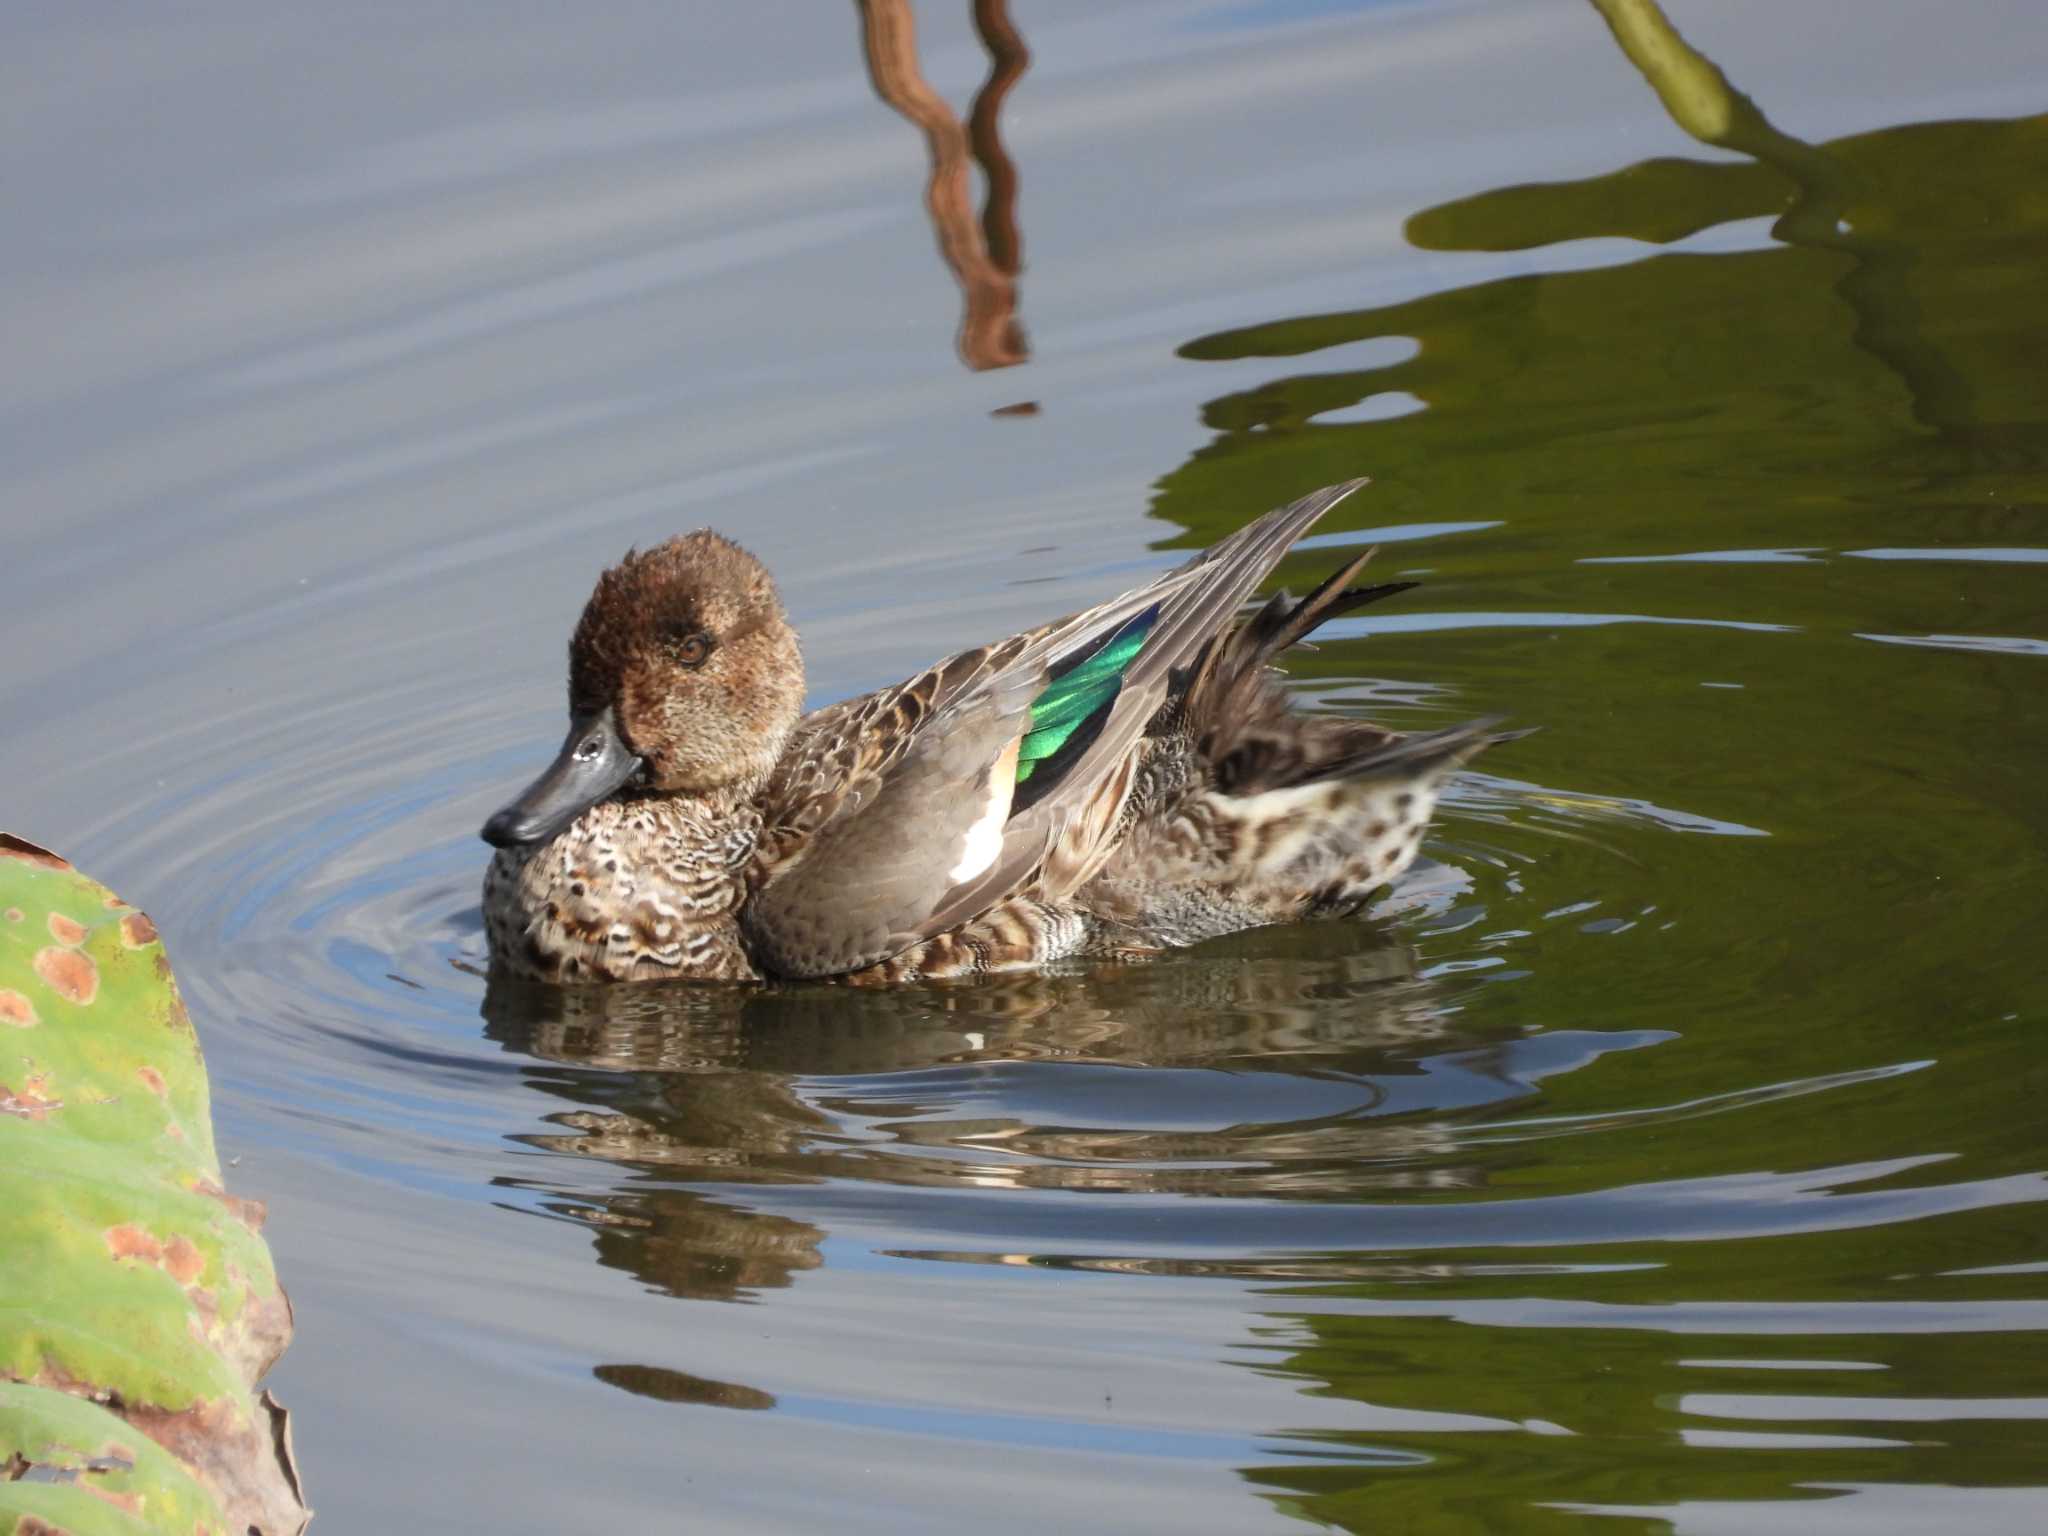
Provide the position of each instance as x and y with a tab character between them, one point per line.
593	762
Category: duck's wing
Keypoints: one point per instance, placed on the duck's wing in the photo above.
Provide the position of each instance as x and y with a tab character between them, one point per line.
908	812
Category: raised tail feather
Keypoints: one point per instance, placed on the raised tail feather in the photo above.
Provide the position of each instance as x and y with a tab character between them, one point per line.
1418	756
1284	623
1254	740
1278	626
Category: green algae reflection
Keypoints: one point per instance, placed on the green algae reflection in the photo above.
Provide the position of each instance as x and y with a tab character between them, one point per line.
1756	531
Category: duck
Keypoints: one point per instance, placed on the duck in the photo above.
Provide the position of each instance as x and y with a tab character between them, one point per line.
1109	786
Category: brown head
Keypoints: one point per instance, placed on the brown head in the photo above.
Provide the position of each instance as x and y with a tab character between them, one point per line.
684	676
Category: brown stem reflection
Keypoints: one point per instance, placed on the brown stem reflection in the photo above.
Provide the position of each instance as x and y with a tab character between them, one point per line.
984	256
667	1386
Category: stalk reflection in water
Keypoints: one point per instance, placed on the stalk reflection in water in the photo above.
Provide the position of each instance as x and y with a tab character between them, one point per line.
986	256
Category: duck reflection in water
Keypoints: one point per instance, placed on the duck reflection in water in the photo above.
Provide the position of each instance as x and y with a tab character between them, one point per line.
1295	1040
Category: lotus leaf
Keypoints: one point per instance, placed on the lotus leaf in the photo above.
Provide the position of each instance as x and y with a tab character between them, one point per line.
138	1303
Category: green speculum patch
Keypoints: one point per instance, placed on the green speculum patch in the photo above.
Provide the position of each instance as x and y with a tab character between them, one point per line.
1076	700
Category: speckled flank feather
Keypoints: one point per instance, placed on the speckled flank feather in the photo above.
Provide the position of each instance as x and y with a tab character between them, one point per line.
637	889
1113	784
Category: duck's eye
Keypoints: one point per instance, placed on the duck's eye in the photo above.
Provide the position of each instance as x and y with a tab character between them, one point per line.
692	650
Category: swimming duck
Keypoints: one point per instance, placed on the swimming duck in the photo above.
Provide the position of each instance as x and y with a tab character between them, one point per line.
1112	784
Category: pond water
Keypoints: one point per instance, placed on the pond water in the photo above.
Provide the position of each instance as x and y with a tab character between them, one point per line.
1668	1145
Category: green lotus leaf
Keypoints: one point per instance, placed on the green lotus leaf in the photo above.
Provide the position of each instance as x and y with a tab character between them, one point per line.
94	1471
138	1302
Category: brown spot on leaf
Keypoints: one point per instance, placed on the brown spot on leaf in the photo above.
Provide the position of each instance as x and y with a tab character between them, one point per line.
128	1241
16	1009
204	1323
14	914
183	1260
35	1525
250	1213
12	847
68	973
239	1460
152	1079
32	1101
66	930
137	931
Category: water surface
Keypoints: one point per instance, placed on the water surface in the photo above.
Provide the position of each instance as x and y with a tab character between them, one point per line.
1666	1148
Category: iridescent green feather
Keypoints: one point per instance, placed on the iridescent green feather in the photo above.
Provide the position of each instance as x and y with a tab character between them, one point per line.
1079	691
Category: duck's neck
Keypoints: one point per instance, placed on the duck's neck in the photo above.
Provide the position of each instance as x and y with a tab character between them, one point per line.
636	888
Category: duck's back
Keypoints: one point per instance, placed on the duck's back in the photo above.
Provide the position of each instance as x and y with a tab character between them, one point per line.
1118	782
1115	783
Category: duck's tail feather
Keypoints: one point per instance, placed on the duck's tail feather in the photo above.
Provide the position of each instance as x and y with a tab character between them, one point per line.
1419	756
1279	626
1235	660
1303	749
1245	726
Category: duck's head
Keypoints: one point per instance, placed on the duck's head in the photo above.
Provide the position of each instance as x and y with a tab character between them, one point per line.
684	677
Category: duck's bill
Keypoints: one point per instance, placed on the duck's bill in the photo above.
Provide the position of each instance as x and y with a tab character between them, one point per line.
594	762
